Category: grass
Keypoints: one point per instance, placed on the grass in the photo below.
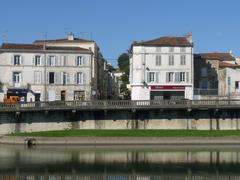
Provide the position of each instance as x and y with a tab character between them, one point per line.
133	133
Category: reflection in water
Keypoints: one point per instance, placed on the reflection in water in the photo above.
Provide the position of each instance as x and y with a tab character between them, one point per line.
119	163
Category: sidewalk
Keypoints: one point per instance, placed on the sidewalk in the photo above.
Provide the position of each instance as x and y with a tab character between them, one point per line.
122	140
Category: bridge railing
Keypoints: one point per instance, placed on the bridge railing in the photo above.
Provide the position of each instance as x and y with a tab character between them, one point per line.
115	104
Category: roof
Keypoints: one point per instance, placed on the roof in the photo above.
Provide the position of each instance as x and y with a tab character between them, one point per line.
64	40
225	64
166	41
12	46
217	56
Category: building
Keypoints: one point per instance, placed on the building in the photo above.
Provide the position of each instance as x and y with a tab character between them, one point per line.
216	75
162	68
48	72
96	60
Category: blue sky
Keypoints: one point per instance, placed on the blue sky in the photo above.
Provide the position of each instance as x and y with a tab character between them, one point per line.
115	24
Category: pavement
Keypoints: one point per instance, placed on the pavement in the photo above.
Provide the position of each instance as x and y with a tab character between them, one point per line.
120	140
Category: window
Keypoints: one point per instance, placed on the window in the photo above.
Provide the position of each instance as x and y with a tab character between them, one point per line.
171	49
182	49
17	60
16	77
79	78
64	78
183	60
37	60
169	76
37	77
51	77
79	61
204	72
158	60
236	84
204	83
182	76
171	60
150	77
64	60
51	60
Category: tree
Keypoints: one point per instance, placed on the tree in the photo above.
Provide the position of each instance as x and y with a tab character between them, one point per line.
123	64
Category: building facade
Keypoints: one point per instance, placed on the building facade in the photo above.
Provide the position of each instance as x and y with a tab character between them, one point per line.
216	74
162	69
46	73
97	62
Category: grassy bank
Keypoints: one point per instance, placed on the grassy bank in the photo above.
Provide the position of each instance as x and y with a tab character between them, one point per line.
133	133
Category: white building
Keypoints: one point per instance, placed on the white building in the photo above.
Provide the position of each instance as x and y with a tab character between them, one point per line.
48	72
162	69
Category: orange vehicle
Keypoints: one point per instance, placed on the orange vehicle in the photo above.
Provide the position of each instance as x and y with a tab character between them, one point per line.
11	99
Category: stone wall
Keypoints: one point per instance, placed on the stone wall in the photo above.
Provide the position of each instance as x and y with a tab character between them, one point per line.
121	119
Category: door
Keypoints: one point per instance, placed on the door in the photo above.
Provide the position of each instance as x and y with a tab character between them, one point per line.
63	95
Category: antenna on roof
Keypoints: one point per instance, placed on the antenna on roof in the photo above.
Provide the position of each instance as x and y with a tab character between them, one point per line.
45	39
5	36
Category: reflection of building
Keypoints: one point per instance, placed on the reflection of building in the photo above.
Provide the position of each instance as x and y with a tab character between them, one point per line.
216	74
162	69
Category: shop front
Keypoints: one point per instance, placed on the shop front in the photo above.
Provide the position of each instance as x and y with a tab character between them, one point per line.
167	92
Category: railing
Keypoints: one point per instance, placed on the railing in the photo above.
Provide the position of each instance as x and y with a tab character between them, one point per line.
119	104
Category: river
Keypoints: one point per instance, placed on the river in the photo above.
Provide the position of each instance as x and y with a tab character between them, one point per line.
119	162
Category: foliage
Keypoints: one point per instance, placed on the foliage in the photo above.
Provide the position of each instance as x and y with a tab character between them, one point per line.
133	133
123	64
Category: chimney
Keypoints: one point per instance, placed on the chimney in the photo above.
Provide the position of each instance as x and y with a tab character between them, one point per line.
189	37
70	36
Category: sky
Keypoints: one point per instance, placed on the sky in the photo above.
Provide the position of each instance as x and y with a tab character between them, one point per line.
115	24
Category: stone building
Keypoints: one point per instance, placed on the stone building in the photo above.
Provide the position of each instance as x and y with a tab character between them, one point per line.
216	74
50	73
162	68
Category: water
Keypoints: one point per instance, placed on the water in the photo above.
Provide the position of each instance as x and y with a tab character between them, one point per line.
119	163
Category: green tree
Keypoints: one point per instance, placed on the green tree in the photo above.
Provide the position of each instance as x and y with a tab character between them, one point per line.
123	64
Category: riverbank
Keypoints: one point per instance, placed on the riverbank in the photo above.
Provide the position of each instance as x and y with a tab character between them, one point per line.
120	140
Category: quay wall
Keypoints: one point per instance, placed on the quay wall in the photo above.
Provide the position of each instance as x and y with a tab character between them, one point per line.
11	122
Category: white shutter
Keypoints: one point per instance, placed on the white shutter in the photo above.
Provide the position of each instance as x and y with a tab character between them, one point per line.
21	60
167	77
187	76
84	78
12	60
148	80
35	77
47	78
56	61
68	78
157	77
61	77
83	60
75	78
33	60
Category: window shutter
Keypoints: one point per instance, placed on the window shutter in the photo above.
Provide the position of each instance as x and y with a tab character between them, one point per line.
76	61
12	60
35	77
47	78
21	60
68	78
84	78
187	76
176	77
61	78
83	60
56	61
148	77
157	77
75	78
33	60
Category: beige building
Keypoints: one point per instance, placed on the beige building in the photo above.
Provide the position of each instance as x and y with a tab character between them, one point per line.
216	75
50	70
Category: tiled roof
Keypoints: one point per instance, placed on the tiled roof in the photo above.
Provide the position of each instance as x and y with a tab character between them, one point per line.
11	46
224	64
217	56
166	41
64	40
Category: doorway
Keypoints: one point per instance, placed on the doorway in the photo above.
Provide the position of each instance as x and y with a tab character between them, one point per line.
63	95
